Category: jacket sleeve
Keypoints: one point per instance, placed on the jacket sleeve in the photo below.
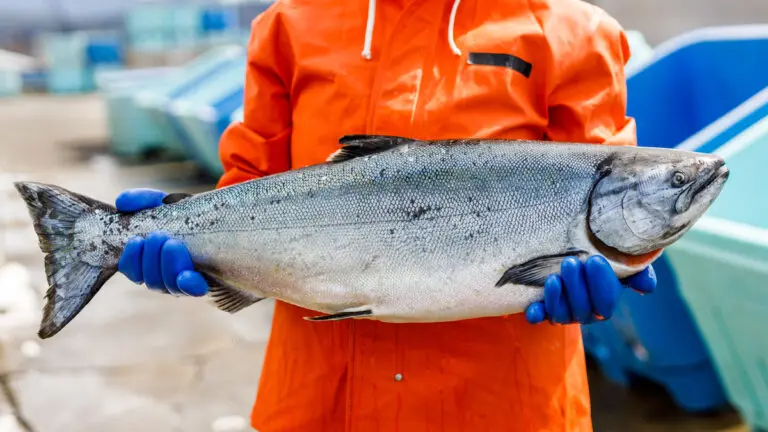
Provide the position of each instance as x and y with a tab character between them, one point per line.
260	144
588	94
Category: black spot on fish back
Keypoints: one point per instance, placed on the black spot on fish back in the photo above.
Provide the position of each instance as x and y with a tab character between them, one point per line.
124	222
605	166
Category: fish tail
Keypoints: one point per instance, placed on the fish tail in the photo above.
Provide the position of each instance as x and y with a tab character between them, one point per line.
74	275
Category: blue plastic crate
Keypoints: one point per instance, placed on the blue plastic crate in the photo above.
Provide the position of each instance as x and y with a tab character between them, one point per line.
201	114
639	47
237	115
105	50
219	19
35	80
10	83
677	97
149	17
654	337
130	128
64	50
187	25
61	81
722	265
693	80
155	41
153	102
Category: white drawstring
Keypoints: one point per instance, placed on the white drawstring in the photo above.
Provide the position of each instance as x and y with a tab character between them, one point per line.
372	19
451	22
369	29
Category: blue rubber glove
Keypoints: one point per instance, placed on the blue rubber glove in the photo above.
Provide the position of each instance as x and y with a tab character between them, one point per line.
160	262
585	292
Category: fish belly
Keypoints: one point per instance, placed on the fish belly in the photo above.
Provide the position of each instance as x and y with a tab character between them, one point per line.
429	270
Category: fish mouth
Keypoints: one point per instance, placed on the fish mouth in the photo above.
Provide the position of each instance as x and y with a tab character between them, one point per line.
705	189
719	173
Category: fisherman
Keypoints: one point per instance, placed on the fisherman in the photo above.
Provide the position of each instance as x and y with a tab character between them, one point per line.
431	69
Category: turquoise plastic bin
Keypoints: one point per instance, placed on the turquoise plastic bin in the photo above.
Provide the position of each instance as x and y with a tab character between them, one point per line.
153	101
199	113
684	96
66	81
152	41
11	83
722	268
187	26
163	27
130	129
66	51
238	115
641	50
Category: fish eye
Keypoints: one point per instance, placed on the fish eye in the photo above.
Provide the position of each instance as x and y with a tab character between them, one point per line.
679	179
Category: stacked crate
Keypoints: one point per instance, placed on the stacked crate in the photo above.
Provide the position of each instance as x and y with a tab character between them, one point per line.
220	24
73	58
65	56
10	82
12	66
163	27
701	334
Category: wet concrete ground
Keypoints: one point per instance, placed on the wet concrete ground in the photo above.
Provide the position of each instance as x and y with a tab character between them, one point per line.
139	361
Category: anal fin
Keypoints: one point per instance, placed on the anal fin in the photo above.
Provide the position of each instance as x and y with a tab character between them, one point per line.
228	297
344	314
535	271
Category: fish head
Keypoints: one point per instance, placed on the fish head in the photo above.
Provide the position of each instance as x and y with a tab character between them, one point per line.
646	199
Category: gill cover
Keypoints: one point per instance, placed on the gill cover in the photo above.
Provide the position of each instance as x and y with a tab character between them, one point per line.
646	199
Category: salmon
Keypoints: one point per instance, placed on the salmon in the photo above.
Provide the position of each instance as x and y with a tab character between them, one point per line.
394	229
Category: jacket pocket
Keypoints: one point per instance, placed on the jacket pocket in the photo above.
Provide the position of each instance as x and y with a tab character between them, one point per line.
508	61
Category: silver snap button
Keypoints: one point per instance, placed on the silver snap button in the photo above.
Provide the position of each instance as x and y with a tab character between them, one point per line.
398	377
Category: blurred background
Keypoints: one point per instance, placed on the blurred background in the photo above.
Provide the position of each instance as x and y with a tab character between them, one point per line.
103	95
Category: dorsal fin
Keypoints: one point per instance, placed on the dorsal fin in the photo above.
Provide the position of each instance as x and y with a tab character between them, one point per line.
362	145
175	197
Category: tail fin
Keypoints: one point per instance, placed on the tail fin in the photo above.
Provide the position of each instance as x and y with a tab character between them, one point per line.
72	281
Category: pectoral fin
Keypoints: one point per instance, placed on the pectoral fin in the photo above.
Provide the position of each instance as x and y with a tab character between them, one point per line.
535	272
228	297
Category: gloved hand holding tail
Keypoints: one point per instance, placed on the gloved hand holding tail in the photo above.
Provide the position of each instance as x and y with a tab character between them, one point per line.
160	262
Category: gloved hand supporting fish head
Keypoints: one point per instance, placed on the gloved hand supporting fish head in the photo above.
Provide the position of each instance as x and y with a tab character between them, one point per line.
633	212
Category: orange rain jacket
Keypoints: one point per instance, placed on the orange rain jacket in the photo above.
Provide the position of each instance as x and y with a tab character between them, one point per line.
525	69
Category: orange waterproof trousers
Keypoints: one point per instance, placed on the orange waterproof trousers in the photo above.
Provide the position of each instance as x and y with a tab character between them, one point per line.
429	69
